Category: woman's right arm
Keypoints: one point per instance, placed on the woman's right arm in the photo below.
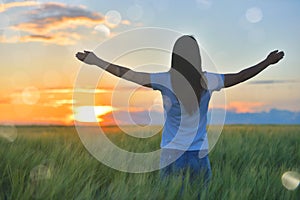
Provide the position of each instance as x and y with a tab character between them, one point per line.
236	78
140	78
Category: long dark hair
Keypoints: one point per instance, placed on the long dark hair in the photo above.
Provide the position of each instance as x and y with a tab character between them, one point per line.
186	73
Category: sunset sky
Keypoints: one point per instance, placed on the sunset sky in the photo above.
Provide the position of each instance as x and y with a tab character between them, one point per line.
39	40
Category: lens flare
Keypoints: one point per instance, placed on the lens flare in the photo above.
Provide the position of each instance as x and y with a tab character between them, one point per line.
38	175
290	180
30	95
254	15
9	132
113	18
103	30
95	140
40	172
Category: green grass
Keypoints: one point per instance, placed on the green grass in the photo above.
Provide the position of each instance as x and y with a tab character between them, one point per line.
52	163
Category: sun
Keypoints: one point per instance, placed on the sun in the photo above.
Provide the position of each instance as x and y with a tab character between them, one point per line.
91	113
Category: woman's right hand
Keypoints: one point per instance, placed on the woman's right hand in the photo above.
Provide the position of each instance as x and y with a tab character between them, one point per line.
87	57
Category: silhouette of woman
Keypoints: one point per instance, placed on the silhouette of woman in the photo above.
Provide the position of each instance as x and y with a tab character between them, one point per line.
186	92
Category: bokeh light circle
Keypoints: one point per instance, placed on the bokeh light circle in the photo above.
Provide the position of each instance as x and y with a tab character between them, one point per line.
290	180
113	18
103	30
9	132
30	95
94	137
38	175
254	15
40	172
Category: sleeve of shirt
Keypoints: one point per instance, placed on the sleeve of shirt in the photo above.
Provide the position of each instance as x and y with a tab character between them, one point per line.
158	80
215	82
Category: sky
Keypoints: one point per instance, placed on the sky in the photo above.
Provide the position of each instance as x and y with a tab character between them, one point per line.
39	40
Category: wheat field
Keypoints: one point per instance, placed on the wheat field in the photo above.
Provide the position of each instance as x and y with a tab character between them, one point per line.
50	162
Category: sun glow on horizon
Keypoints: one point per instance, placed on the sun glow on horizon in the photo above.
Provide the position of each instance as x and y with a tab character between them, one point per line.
91	113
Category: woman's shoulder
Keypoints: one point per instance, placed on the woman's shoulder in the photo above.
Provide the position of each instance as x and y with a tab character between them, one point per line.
160	79
214	81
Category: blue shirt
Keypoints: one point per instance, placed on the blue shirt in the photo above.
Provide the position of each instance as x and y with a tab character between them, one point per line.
181	130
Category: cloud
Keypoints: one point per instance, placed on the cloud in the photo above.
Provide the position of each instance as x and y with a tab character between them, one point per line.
57	38
265	82
126	22
51	22
57	16
15	4
241	106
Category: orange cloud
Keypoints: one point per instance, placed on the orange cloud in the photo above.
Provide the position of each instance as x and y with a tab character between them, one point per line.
33	106
241	107
57	38
16	4
126	22
245	107
48	25
34	114
51	22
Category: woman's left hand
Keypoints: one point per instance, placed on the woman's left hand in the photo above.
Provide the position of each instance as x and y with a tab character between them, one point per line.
274	57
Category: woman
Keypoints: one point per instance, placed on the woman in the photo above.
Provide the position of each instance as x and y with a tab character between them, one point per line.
186	91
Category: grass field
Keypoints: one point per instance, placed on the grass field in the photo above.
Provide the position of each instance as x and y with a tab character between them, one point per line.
52	163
